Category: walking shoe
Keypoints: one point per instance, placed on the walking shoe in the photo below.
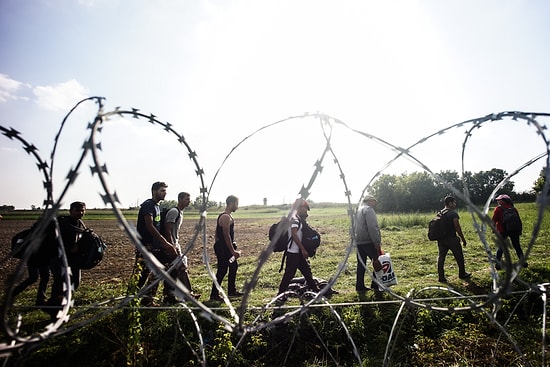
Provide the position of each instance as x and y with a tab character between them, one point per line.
442	280
148	302
236	294
170	300
465	276
215	299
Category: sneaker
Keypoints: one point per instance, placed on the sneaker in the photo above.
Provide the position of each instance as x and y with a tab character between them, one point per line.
525	264
442	280
465	276
236	294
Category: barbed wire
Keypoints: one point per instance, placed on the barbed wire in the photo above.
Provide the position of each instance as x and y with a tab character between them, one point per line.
84	315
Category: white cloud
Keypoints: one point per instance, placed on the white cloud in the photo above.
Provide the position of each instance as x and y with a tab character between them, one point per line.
62	96
9	87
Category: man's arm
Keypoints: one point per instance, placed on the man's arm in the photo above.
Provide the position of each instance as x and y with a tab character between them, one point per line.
151	228
296	238
169	225
373	227
458	229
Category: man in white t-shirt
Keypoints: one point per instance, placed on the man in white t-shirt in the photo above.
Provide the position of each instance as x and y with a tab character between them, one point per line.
297	255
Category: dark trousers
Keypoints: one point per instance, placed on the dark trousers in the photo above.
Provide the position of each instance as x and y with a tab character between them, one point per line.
296	262
453	244
35	272
58	271
164	259
514	238
224	267
364	251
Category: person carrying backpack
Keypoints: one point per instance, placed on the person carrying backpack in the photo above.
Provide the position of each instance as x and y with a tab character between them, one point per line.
297	255
71	227
451	241
148	227
508	223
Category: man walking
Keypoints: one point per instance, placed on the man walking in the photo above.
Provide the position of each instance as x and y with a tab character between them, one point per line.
368	241
451	241
225	248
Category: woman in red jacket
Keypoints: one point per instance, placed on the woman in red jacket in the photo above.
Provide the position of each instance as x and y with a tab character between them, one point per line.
508	223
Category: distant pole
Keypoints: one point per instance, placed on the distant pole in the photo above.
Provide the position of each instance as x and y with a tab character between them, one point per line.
265	201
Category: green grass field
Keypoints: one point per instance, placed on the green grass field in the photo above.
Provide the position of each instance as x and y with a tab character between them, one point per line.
439	338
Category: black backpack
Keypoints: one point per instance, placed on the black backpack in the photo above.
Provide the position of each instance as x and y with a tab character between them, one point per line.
90	250
511	220
283	241
436	226
41	255
311	239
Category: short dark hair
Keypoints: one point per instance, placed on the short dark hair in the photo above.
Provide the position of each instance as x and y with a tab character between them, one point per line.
77	205
183	195
157	185
449	199
231	199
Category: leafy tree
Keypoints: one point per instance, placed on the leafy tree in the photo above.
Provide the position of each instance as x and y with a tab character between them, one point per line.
449	178
197	204
481	184
384	190
168	204
538	185
419	192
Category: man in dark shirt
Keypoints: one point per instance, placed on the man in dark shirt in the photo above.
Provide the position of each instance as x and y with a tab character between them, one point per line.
451	241
225	248
148	227
71	227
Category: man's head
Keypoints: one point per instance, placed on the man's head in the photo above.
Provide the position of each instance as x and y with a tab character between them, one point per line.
158	191
449	201
503	197
183	200
302	207
370	200
232	203
77	209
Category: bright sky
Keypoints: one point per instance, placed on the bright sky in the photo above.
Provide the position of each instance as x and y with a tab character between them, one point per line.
218	70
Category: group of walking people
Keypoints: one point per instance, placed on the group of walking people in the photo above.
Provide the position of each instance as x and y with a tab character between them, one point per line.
166	247
368	238
46	261
163	243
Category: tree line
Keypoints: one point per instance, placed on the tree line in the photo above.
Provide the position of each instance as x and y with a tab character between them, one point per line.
418	191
